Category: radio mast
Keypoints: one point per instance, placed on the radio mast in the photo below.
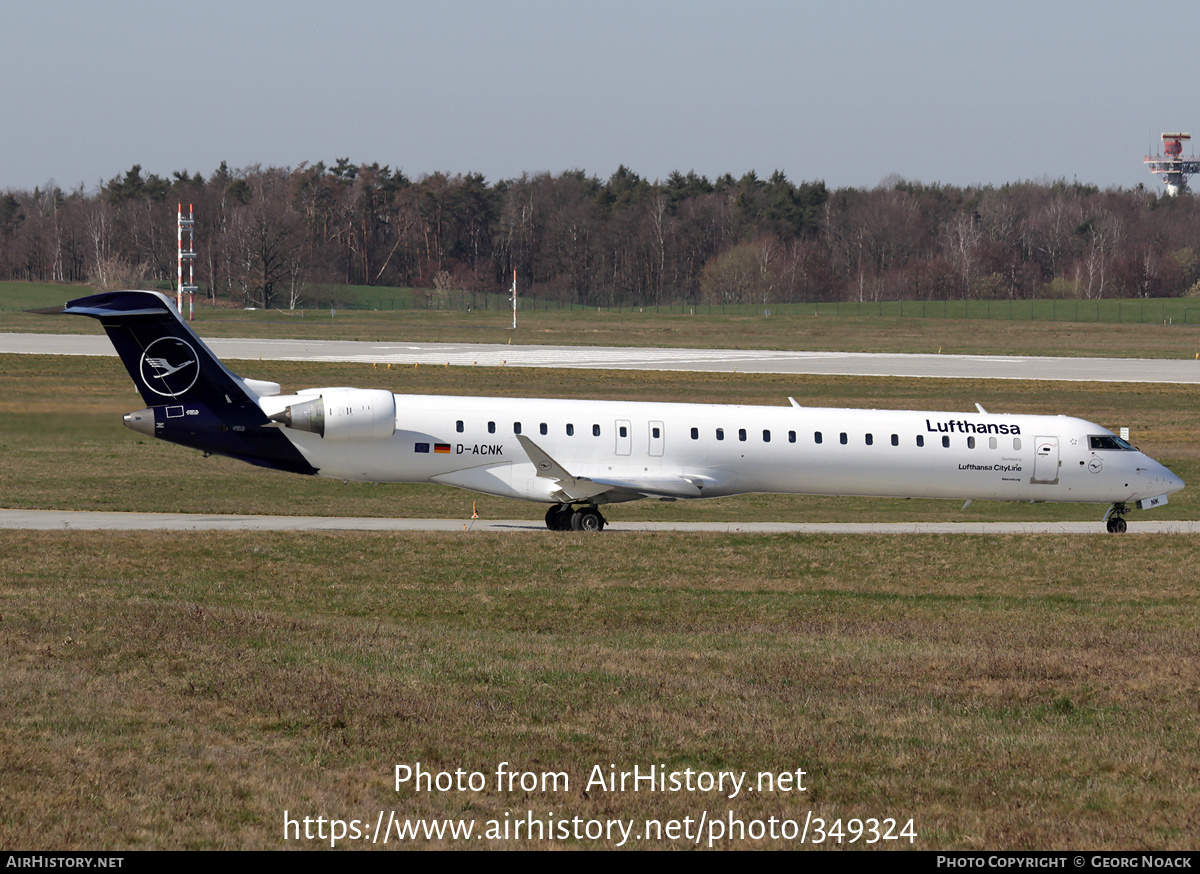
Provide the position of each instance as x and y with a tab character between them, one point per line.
186	226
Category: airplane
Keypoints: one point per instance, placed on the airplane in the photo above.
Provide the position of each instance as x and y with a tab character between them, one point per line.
578	455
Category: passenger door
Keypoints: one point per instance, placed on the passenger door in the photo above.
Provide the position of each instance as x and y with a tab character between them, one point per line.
1045	460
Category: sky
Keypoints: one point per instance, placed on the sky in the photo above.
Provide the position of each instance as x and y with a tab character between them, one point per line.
853	93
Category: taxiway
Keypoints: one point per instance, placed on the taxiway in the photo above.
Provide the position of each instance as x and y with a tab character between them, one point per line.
642	358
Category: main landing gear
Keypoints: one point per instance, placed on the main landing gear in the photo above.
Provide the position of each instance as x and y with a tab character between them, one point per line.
564	517
1114	519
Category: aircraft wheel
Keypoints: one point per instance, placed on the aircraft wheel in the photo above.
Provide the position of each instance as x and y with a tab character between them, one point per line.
1121	526
587	519
552	518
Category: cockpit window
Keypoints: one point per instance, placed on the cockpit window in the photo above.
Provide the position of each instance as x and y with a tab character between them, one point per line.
1108	441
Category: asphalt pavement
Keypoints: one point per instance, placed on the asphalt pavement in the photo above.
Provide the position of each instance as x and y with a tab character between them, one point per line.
635	358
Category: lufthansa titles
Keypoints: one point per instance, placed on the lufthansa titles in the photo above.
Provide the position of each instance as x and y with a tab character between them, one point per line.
962	426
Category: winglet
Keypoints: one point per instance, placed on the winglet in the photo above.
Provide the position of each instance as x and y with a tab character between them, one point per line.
546	466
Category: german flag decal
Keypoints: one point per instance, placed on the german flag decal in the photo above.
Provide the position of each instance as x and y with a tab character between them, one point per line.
442	448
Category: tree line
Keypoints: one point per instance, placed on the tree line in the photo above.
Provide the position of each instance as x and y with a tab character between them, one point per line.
264	235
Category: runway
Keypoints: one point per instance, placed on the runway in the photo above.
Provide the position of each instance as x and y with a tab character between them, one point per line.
73	520
1183	371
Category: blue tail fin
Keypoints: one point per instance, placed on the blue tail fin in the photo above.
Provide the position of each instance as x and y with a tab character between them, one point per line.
168	362
193	398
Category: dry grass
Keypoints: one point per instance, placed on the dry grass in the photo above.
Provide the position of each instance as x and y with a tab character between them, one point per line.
1004	692
848	333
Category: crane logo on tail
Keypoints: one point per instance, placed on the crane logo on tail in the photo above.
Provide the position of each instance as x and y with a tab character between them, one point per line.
169	367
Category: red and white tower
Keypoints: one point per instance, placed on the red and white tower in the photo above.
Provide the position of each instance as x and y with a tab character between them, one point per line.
1171	165
186	226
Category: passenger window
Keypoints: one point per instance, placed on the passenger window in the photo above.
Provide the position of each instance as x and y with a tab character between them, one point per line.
991	443
742	434
970	442
720	433
624	431
595	430
1016	443
458	426
816	437
491	427
766	436
570	430
695	433
516	427
870	439
655	433
946	441
843	439
791	436
542	428
895	439
920	439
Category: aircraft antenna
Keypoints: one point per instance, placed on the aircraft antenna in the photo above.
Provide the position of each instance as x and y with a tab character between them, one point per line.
1171	165
186	228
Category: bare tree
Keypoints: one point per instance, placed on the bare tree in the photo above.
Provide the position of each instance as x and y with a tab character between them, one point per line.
963	237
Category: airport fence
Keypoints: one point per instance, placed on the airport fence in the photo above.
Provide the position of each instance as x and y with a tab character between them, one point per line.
1182	311
19	296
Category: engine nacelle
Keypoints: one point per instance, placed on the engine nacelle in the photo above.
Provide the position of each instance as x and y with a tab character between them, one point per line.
343	414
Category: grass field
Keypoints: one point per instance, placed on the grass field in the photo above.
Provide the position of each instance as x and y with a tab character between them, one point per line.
1002	692
184	690
1065	330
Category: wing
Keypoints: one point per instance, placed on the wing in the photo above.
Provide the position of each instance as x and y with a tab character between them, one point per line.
583	488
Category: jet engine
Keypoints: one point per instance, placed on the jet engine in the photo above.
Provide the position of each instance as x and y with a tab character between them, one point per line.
343	414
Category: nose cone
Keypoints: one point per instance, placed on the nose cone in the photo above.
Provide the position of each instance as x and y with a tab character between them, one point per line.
1158	479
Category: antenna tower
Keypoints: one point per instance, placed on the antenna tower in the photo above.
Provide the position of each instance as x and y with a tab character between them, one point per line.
186	226
514	299
1173	168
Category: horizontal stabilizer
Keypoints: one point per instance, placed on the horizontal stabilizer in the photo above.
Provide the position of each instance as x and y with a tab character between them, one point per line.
261	387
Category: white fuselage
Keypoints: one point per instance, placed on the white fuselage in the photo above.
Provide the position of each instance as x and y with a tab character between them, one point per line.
705	450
